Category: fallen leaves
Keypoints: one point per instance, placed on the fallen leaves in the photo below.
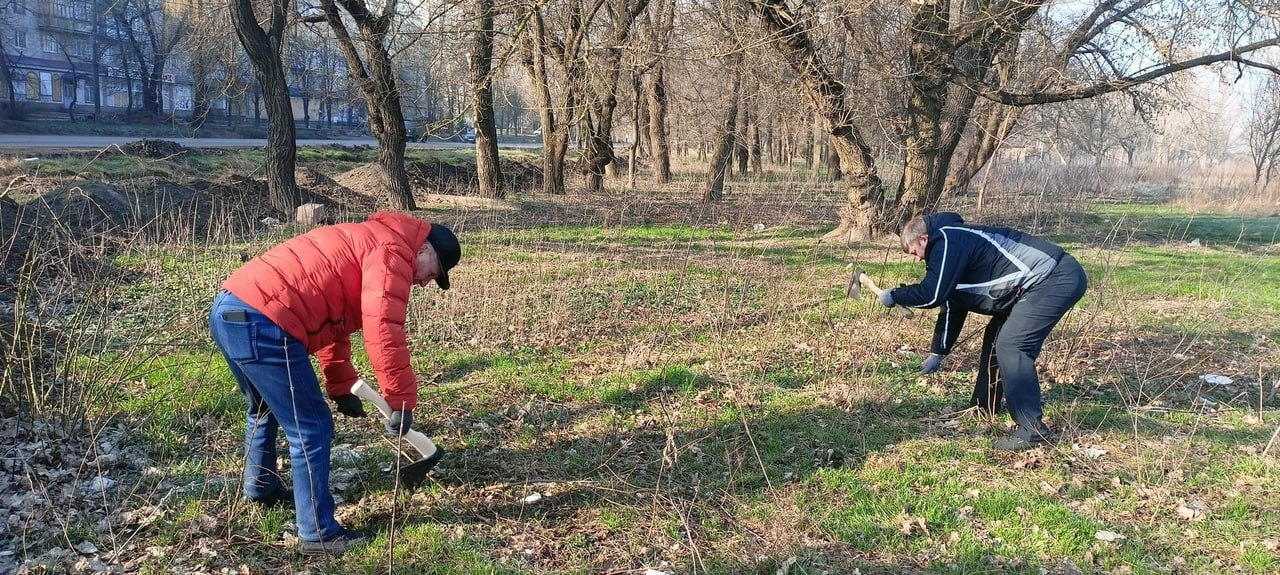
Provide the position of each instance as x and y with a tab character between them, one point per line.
1109	536
909	525
1192	510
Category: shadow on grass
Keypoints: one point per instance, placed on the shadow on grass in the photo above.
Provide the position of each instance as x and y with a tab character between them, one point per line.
700	482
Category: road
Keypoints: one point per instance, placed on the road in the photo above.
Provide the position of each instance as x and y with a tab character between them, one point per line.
31	142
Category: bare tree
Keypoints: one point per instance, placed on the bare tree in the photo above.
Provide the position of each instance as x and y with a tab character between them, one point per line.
264	47
827	93
659	25
369	65
951	61
1095	128
488	171
727	134
602	81
153	30
558	95
9	53
1262	130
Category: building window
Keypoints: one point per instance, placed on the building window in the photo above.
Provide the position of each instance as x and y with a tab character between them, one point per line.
48	44
20	40
33	86
62	8
82	49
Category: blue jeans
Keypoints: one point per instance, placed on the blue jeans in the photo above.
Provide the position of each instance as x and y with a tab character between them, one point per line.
274	372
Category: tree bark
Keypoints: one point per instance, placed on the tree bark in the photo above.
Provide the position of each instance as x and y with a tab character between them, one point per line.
753	145
264	50
488	169
660	147
741	148
604	93
554	136
714	190
636	131
864	214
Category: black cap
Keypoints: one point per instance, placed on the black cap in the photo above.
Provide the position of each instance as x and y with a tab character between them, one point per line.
447	250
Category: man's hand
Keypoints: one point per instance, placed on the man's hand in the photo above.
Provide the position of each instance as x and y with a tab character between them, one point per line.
931	363
399	423
886	298
349	405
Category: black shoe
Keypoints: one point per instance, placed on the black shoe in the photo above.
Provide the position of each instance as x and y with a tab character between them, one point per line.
345	541
281	499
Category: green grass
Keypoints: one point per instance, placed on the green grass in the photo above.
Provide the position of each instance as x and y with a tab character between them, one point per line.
1164	223
706	397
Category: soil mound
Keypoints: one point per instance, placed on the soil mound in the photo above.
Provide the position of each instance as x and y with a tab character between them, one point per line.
436	177
152	148
342	198
13	244
365	181
155	208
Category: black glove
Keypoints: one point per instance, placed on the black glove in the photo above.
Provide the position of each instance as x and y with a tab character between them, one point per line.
399	423
349	405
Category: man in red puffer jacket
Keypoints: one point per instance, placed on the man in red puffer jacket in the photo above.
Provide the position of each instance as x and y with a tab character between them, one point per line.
307	296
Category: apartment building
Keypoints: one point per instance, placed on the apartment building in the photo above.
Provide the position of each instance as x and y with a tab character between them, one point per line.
73	54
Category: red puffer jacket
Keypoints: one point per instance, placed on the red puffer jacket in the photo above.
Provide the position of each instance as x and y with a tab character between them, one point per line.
323	285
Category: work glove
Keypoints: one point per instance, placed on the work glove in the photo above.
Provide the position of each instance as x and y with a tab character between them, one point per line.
399	423
931	363
886	298
349	405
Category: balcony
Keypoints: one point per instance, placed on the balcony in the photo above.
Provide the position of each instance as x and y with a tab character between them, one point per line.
65	16
51	23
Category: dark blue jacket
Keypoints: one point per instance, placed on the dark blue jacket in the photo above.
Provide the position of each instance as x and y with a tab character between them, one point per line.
976	269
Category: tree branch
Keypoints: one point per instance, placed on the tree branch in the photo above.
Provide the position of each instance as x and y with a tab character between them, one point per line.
986	90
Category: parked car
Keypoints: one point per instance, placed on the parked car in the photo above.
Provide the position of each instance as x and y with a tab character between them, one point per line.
469	136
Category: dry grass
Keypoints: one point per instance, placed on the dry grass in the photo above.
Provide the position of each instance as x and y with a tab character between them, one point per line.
686	392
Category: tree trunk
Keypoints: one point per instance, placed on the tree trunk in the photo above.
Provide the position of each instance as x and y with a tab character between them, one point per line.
637	130
554	137
603	93
997	124
714	190
834	171
488	170
996	121
660	147
741	148
864	214
264	48
815	156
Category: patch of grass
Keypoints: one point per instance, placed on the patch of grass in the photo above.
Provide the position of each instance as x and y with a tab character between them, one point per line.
696	393
107	167
1214	275
632	389
323	154
633	236
1165	223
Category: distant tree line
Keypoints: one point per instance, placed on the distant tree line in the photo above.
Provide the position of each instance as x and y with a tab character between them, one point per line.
905	102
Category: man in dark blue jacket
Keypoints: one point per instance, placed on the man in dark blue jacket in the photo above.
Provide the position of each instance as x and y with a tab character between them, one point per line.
1024	283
